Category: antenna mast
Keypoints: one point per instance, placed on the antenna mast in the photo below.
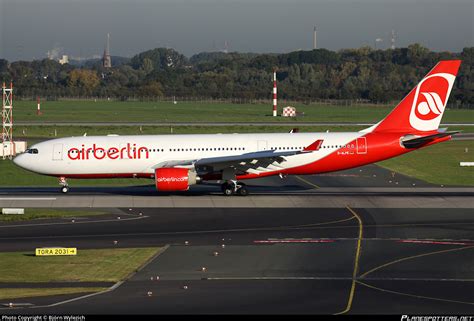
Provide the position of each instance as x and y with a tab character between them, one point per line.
8	146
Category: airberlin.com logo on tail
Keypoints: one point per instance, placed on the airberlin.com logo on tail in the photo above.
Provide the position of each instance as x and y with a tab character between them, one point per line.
430	100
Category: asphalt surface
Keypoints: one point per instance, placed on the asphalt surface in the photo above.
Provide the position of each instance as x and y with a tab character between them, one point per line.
275	260
367	187
278	260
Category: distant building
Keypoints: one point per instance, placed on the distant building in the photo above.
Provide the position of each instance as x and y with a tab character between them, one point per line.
106	60
64	60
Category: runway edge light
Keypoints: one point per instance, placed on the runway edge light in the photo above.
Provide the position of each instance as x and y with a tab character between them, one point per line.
56	251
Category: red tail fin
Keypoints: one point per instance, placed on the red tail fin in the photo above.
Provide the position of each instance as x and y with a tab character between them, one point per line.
422	109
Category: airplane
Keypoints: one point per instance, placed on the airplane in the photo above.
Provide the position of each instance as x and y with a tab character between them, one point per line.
176	162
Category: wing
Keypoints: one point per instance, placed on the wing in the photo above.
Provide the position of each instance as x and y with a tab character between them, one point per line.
255	162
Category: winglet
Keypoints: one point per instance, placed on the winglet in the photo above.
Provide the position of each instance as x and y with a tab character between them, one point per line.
314	146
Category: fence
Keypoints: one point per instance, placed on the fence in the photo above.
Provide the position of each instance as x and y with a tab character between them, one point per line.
210	100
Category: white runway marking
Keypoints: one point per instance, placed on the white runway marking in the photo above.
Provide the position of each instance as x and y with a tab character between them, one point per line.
69	222
28	198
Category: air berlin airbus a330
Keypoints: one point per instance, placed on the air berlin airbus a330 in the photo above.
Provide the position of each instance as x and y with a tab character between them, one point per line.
177	161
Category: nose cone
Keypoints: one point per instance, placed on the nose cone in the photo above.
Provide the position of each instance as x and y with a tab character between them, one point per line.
20	160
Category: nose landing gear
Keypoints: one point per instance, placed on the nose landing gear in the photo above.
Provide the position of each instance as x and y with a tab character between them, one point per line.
234	188
64	185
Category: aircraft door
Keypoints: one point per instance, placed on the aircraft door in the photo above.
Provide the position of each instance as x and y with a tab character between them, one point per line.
58	152
361	145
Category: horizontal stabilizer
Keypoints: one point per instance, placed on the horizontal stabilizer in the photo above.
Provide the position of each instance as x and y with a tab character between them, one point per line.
421	141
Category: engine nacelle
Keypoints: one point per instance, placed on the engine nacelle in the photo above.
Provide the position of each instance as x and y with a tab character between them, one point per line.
174	179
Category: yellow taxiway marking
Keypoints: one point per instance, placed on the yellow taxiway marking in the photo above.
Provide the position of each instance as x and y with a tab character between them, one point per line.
413	257
307	182
356	262
322	223
412	295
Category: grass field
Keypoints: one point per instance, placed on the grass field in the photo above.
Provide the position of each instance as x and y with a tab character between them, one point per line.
37	213
438	164
98	265
12	175
35	292
50	132
110	111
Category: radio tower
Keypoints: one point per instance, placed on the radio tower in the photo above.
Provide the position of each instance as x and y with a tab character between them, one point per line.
8	147
315	44
392	40
106	60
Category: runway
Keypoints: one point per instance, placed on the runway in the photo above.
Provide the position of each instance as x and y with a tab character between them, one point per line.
274	260
367	187
324	198
303	245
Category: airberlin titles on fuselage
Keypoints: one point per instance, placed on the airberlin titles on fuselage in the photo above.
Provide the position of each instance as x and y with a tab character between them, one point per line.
128	151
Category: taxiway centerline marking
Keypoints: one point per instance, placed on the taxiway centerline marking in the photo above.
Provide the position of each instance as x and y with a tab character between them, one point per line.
412	295
413	257
307	182
356	262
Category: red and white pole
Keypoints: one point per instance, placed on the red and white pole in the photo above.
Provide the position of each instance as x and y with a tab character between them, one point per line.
274	93
38	112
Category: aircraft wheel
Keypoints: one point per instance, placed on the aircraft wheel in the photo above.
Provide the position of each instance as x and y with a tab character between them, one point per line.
228	191
65	189
243	191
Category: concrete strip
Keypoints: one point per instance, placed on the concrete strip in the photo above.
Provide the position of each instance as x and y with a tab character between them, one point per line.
119	201
185	201
274	201
138	201
66	202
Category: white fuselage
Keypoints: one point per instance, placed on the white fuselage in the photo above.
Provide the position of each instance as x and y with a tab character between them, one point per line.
96	155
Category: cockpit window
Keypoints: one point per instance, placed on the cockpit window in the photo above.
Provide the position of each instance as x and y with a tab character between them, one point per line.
32	151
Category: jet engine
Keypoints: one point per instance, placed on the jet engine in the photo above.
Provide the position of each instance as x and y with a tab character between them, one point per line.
174	179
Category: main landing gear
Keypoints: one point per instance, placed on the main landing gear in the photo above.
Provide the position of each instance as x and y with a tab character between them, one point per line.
234	188
64	185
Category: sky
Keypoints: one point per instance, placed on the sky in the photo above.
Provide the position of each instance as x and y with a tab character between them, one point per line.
78	28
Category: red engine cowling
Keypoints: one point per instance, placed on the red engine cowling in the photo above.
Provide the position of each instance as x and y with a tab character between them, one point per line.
174	179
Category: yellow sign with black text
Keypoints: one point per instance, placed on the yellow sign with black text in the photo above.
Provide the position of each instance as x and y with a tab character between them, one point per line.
54	251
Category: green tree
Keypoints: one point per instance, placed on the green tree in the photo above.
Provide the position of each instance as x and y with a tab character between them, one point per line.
147	66
85	80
